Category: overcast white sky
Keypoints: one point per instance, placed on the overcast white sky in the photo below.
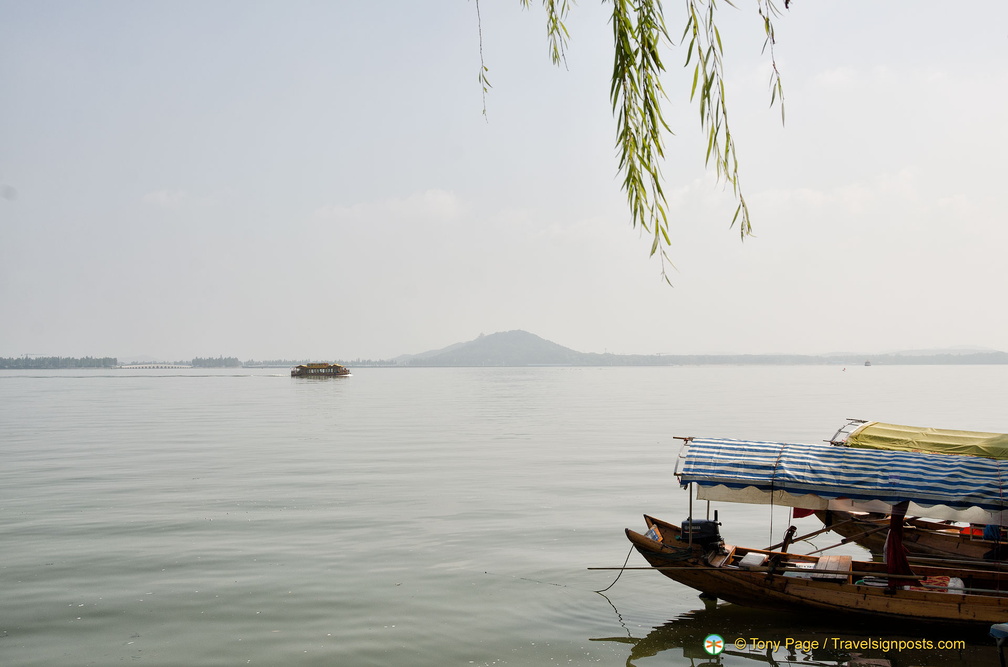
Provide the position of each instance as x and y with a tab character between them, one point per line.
317	179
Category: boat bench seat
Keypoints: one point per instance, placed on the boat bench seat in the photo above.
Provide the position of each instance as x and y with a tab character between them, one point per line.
833	566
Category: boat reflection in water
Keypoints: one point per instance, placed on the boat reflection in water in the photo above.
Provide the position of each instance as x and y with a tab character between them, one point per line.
792	639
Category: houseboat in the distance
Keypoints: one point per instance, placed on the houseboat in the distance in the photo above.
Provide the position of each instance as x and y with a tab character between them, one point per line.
319	370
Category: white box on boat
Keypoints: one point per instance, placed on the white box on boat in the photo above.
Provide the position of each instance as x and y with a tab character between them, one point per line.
750	561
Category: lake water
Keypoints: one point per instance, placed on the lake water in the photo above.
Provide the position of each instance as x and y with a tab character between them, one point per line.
406	516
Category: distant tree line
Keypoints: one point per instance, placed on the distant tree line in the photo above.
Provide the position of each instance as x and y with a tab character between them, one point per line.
57	362
373	363
288	363
219	362
271	363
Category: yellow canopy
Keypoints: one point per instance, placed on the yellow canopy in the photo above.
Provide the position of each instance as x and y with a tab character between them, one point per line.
876	435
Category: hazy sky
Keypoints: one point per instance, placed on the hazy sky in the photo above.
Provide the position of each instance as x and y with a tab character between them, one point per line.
317	179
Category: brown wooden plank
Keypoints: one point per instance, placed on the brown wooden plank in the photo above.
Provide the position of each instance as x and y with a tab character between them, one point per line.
833	564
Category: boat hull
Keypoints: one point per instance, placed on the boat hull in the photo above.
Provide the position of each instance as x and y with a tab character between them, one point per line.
698	568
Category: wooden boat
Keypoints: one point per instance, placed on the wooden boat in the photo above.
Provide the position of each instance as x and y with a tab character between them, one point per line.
921	537
825	477
319	370
832	584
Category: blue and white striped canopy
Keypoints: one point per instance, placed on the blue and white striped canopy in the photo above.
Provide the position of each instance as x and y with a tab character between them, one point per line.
830	472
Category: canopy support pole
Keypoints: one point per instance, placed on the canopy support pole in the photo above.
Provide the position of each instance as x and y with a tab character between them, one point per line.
690	518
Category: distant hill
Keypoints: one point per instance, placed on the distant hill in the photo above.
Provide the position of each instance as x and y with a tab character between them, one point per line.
521	348
934	352
506	348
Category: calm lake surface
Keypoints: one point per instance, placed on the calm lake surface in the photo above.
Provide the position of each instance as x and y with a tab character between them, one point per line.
408	516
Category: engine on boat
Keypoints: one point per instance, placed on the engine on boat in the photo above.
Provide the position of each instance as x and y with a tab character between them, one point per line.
703	532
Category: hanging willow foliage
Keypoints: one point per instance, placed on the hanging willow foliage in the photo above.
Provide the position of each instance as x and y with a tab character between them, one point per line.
636	94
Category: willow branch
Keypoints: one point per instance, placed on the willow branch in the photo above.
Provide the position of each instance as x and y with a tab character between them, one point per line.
636	95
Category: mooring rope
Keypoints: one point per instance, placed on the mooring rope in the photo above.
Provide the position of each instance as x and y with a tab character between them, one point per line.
620	572
669	557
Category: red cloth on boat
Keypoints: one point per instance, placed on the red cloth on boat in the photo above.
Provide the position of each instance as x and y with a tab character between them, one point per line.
895	554
798	513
